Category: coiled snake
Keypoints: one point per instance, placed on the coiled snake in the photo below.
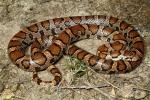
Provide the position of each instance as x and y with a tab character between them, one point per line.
49	40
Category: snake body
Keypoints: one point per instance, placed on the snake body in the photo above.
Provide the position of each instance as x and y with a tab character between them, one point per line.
49	40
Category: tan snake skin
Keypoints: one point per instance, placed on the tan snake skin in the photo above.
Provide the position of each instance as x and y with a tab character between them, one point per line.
49	40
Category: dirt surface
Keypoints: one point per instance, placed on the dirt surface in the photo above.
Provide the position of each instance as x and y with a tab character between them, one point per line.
16	84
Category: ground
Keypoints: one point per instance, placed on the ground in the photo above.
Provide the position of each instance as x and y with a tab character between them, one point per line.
79	83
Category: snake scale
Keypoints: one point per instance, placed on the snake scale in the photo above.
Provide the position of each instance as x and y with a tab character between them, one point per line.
39	46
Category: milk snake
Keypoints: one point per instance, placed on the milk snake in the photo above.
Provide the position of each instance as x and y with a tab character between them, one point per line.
49	40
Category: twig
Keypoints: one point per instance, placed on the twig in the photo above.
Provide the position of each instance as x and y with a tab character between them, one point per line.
86	87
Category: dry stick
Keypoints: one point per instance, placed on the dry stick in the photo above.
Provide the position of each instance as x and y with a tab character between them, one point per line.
92	87
85	87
